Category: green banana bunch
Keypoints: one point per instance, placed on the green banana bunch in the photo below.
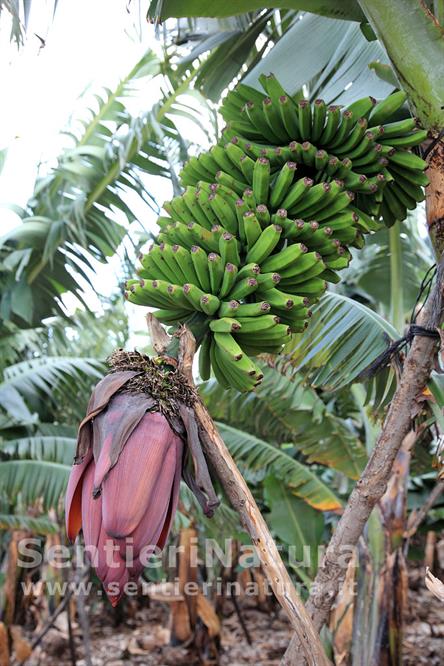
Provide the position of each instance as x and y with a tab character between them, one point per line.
266	219
363	145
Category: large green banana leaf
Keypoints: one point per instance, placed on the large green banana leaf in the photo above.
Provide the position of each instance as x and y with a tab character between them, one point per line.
285	411
330	57
343	338
296	523
23	482
256	454
163	9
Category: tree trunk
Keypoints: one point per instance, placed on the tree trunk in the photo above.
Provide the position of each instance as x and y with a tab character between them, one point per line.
435	196
373	482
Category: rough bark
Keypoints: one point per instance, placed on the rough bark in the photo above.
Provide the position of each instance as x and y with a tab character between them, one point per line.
435	195
243	502
373	482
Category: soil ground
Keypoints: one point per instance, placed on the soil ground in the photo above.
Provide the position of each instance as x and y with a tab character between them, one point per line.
138	633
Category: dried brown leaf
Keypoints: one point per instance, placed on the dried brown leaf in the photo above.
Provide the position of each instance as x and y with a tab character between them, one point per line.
435	586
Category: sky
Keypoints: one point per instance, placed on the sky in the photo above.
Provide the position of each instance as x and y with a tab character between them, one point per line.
90	43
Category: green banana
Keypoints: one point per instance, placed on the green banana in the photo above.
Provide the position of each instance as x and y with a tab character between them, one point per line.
183	263
199	260
225	325
409	140
256	324
224	163
362	107
268	280
282	183
196	213
229	345
243	288
385	109
264	245
261	180
200	236
228	308
265	335
225	213
253	309
228	248
155	254
263	215
282	301
249	270
306	206
354	138
321	160
216	271
170	315
194	294
304	119
398	128
331	126
249	198
285	258
209	304
317	269
415	176
308	153
303	264
343	200
407	160
226	179
296	192
258	120
289	116
169	258
318	119
219	373
229	280
311	287
273	118
343	131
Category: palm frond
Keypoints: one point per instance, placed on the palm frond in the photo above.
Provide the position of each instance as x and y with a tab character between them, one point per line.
369	272
75	215
41	525
50	448
342	339
284	410
333	443
27	380
332	61
256	454
24	482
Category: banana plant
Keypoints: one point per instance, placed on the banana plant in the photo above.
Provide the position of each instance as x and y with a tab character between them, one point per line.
74	218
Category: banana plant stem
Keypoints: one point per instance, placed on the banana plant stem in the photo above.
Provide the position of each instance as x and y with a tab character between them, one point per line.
243	502
373	481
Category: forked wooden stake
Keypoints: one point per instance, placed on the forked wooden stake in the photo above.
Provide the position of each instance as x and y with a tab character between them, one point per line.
243	502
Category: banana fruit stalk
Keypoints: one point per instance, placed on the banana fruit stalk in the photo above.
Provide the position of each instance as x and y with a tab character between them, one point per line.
267	218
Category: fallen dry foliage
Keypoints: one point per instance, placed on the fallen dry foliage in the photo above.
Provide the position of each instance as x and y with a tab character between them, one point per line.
138	634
